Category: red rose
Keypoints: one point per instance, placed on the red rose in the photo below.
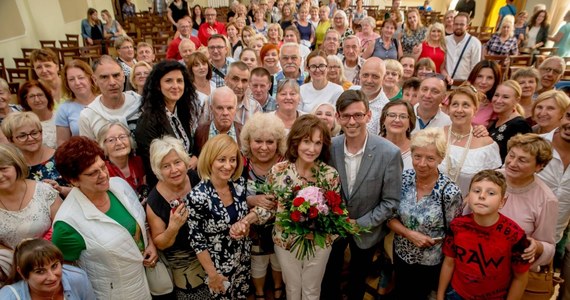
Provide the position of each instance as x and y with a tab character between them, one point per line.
296	216
298	201
313	212
333	198
337	210
296	188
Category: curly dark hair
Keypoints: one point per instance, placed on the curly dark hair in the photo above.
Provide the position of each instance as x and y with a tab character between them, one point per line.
152	104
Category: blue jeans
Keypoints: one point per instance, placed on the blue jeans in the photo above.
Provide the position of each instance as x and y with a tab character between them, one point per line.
451	294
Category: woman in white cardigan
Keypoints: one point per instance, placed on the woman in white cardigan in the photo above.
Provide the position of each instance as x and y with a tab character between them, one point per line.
101	225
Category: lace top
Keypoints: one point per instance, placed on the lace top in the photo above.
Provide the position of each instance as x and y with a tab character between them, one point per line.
32	221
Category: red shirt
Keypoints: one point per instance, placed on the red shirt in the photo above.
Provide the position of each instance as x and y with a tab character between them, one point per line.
174	53
205	29
485	257
435	53
136	168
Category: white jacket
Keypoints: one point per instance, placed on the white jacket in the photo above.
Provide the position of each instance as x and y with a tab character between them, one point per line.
112	259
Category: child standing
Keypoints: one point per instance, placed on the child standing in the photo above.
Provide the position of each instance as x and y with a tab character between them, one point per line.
483	249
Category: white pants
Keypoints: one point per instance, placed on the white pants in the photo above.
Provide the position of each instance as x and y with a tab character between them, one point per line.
303	277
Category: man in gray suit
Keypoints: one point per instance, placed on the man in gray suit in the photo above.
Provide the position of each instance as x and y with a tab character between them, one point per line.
370	169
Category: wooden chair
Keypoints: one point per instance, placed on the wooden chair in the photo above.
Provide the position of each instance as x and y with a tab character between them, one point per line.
21	75
160	48
48	43
72	37
488	29
67	54
69	44
90	50
484	37
160	56
500	59
520	60
472	29
14	87
547	51
3	69
160	41
85	59
26	52
22	63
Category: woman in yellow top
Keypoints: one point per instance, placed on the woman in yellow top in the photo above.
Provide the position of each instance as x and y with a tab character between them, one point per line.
323	26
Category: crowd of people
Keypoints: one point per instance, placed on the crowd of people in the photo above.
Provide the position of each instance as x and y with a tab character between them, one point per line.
115	172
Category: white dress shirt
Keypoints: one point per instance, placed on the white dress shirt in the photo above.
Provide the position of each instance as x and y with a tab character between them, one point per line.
352	163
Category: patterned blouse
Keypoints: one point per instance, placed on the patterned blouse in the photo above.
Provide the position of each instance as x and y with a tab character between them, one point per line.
210	223
46	170
496	47
415	38
284	175
425	216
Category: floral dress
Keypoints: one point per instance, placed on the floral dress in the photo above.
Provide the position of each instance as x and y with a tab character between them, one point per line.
46	170
284	176
426	217
415	38
210	223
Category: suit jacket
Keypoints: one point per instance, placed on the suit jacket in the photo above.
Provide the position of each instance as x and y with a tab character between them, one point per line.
375	196
202	132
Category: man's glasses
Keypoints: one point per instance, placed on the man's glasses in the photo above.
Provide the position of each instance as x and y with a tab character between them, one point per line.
357	117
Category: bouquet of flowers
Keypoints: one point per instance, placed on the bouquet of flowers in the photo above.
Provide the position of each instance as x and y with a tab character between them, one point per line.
311	214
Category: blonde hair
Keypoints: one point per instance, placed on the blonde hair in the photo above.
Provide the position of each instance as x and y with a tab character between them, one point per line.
336	126
394	65
132	75
263	123
11	156
18	119
509	19
420	25
161	147
533	144
338	61
559	97
430	137
214	147
439	27
515	86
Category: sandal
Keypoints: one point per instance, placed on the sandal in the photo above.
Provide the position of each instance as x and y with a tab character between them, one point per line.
262	296
279	289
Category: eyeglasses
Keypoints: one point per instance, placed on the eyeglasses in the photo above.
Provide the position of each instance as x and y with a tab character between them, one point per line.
393	115
555	71
112	140
435	75
34	134
96	173
357	117
219	48
321	67
34	96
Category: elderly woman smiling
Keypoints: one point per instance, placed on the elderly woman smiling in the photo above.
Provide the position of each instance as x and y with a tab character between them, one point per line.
263	143
548	111
430	201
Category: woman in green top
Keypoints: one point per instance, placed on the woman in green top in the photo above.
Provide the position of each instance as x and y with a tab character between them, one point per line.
102	225
394	72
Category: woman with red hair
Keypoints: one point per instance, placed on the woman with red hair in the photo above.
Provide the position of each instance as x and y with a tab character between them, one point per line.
269	55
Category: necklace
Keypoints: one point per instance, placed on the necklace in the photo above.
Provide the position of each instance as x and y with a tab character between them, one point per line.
453	173
458	137
21	200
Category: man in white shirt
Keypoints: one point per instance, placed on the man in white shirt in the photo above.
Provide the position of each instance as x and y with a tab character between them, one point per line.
459	66
369	169
371	79
113	105
431	94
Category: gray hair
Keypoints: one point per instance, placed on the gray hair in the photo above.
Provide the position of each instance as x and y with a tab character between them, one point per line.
161	147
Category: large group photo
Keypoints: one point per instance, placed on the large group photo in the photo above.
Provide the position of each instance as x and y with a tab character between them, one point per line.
285	149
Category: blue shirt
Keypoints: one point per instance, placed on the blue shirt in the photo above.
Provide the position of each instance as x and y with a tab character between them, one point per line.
281	76
68	116
76	286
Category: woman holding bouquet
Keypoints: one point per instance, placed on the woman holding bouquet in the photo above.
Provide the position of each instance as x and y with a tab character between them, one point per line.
308	147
